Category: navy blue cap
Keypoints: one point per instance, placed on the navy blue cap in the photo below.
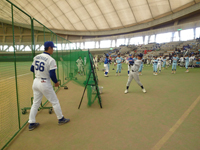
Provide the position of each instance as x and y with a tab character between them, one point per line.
49	44
130	54
107	55
140	55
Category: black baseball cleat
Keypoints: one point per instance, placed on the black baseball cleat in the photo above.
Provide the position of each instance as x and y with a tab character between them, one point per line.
32	126
63	121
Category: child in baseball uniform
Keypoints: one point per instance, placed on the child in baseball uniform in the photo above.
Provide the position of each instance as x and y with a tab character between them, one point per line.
174	63
134	74
151	62
106	62
193	60
155	63
148	61
159	63
181	62
186	58
44	67
130	62
141	67
164	62
85	60
79	64
110	61
190	60
119	64
95	63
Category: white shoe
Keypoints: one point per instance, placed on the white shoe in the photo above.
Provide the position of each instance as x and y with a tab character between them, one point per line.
155	74
116	74
143	90
106	75
126	91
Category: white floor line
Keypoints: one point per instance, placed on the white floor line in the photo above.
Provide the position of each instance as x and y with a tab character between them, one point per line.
14	77
166	137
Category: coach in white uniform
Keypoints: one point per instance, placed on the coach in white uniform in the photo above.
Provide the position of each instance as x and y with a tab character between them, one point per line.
44	67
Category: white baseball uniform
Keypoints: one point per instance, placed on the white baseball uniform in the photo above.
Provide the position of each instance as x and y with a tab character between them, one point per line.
148	61
181	61
134	73
159	63
43	63
192	60
84	60
95	62
80	65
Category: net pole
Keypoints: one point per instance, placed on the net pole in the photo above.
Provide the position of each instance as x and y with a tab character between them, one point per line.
84	91
15	66
57	58
95	80
33	42
70	58
62	64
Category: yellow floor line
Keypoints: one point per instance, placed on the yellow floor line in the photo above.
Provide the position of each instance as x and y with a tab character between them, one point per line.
176	125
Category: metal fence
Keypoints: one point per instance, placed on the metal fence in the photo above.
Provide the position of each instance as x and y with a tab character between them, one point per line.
15	76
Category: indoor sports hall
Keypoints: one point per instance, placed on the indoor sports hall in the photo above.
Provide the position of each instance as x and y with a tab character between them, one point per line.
97	47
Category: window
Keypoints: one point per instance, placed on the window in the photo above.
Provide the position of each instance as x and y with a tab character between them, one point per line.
59	47
82	45
78	45
68	47
163	37
89	44
120	42
187	34
197	32
42	48
176	37
126	41
72	45
36	47
105	44
97	44
152	39
27	48
17	47
146	39
11	49
136	40
5	47
113	43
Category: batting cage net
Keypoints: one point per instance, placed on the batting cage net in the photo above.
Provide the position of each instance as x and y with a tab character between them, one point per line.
25	37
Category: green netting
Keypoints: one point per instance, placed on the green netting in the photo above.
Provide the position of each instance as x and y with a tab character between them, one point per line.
15	76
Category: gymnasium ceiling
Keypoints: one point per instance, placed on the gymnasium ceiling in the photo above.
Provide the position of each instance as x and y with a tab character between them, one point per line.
97	15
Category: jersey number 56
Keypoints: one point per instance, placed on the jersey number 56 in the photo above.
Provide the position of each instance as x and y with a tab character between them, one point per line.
39	66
